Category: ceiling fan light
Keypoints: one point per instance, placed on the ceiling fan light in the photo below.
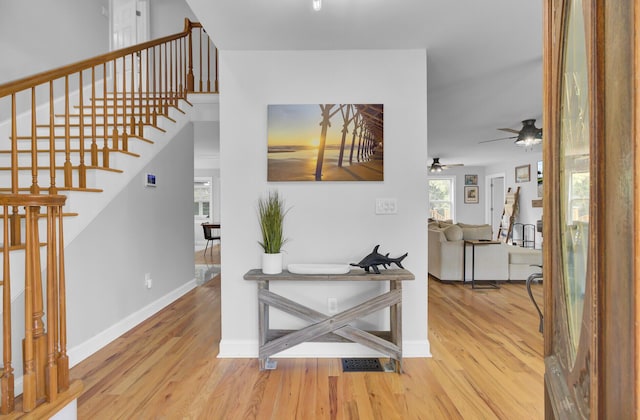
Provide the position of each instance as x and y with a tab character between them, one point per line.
317	5
528	141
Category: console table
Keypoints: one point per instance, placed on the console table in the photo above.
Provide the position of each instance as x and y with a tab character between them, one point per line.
334	328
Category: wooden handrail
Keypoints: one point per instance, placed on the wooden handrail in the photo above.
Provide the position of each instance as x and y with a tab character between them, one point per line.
45	76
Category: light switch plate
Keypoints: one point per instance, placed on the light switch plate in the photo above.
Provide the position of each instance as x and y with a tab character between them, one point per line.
386	206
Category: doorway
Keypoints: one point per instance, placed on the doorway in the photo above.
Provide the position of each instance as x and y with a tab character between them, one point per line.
128	25
495	203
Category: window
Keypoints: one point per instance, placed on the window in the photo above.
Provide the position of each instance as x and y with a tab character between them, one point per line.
202	198
579	197
441	203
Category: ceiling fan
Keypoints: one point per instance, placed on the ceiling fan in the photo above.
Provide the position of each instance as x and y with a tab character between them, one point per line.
436	166
528	136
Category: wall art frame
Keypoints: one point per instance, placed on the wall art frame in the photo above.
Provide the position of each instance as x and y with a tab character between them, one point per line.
325	142
471	179
523	173
471	194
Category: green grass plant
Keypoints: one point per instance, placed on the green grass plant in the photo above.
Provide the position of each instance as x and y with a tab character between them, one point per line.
271	212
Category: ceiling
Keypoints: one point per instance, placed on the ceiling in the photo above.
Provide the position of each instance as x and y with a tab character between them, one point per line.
484	58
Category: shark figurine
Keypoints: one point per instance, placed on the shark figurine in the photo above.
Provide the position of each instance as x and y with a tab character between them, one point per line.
373	260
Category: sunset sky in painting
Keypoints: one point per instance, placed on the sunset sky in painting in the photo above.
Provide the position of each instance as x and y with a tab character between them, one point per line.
299	125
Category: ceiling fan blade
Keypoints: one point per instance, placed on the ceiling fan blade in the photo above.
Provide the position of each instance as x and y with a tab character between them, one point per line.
510	130
452	164
502	138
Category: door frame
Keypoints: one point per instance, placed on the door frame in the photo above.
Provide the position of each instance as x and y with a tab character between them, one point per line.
489	202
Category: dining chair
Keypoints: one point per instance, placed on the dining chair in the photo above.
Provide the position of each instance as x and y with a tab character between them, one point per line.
211	233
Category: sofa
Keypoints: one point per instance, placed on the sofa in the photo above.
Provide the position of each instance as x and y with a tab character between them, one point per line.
499	262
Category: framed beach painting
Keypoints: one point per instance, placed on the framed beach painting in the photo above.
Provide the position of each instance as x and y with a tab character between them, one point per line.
325	142
471	180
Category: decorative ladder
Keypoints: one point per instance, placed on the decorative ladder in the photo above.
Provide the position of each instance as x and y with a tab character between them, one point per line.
505	232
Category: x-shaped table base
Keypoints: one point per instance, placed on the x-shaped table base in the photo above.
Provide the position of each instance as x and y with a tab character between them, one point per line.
338	324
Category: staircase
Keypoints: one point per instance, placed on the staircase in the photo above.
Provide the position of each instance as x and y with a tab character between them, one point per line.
66	137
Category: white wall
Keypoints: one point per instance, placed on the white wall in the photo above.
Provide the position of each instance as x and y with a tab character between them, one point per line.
528	190
167	17
143	230
328	222
40	35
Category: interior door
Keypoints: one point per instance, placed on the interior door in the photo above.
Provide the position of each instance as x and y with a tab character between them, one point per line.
129	25
590	268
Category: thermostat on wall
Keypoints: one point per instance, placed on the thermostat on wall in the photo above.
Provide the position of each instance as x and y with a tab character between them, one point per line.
150	180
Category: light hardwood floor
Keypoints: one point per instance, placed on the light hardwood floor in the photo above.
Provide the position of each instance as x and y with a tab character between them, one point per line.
487	363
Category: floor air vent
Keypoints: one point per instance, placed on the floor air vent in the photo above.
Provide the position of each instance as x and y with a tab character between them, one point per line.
361	365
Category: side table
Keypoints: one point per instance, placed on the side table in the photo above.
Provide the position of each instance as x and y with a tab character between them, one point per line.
474	243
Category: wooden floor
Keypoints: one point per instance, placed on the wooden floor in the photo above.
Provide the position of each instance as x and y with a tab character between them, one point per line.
487	363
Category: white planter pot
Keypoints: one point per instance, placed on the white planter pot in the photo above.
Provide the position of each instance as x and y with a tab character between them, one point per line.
272	263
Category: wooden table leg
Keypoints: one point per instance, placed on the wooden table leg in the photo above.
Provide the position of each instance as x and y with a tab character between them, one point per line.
263	324
395	312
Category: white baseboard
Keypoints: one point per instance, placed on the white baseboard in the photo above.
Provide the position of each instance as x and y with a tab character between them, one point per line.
86	349
249	349
233	349
416	348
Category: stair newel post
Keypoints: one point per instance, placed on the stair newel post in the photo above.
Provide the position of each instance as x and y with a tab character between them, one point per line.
39	333
67	137
35	189
94	141
190	78
51	369
52	142
7	381
82	169
62	357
